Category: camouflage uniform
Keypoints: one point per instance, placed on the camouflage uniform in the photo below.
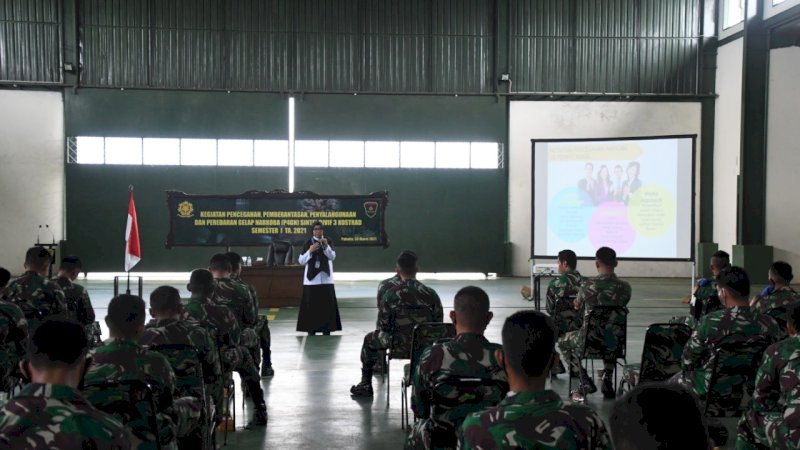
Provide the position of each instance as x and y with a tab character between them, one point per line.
261	328
563	313
779	298
122	360
385	285
409	292
37	297
13	337
534	420
236	295
737	324
47	416
602	290
469	355
79	304
773	418
188	332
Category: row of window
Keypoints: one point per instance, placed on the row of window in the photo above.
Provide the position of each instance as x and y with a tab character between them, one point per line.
275	153
733	12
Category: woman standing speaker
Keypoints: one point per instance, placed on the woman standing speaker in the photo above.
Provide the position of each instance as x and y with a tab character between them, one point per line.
319	311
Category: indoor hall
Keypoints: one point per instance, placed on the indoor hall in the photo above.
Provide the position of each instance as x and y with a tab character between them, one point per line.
485	135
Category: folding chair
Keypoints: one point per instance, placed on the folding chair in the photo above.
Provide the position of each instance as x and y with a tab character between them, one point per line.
604	336
731	381
185	362
565	315
130	401
423	336
454	398
661	355
401	324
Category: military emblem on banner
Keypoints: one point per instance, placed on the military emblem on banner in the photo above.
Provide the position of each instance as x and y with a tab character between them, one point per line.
185	210
371	208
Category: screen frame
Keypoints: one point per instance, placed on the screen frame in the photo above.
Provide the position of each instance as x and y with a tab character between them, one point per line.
693	192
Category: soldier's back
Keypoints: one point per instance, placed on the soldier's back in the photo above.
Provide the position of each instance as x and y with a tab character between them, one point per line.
218	319
535	420
780	298
37	297
734	323
43	416
414	293
236	296
606	290
77	299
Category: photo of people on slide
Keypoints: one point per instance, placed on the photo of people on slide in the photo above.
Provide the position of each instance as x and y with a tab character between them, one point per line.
602	189
627	195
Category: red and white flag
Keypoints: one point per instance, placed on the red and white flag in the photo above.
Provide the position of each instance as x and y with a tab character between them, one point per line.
133	252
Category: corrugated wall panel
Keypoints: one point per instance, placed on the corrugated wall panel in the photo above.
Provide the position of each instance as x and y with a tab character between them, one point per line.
397	47
463	46
30	41
610	46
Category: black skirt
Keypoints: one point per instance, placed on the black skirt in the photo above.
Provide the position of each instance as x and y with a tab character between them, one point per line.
319	311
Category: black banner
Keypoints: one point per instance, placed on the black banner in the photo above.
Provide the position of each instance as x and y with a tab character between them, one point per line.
257	218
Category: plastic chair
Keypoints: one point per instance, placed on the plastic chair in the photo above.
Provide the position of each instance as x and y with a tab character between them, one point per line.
423	336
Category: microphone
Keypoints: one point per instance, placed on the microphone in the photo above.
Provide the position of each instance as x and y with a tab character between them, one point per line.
51	233
37	234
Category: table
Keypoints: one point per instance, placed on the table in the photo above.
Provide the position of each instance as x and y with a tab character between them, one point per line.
276	286
537	273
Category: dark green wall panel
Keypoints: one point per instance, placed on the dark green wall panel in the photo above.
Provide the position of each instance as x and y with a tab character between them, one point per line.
454	219
397	117
161	113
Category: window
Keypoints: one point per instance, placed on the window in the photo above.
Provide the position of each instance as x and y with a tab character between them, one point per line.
198	152
311	153
452	155
234	152
275	153
381	154
346	153
732	13
124	151
161	152
271	153
90	150
484	155
419	155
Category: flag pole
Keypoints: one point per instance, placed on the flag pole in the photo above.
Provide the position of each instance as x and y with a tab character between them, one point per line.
128	271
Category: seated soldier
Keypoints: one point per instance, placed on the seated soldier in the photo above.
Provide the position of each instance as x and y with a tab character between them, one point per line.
78	303
704	294
778	294
560	309
262	324
773	417
169	329
409	292
224	328
37	297
736	321
532	416
605	289
470	354
13	336
50	413
121	358
641	420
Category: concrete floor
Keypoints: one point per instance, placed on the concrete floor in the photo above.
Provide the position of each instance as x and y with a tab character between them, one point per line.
308	399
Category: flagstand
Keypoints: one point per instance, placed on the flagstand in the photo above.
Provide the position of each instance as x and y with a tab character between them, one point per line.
140	283
132	250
